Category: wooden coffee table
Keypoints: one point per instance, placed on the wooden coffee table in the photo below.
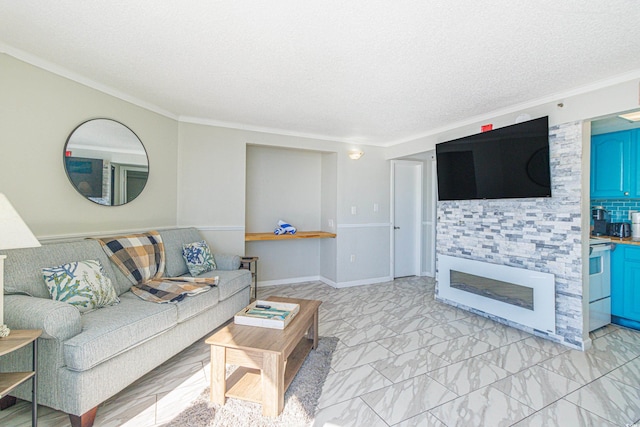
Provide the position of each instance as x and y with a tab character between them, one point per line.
268	359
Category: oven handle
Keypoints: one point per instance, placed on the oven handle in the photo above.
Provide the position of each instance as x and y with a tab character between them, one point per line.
601	248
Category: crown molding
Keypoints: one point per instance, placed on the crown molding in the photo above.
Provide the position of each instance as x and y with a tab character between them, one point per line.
109	90
264	129
83	80
601	84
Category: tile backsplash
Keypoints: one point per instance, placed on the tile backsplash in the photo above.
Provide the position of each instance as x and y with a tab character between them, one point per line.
618	209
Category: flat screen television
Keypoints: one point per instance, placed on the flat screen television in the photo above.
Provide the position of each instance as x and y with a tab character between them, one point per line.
86	175
509	162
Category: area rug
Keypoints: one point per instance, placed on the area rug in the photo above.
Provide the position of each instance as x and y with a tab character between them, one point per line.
300	399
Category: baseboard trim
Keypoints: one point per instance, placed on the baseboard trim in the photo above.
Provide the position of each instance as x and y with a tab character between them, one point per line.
361	282
337	285
292	280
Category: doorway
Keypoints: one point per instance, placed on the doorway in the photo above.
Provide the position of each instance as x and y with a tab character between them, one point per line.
406	217
128	182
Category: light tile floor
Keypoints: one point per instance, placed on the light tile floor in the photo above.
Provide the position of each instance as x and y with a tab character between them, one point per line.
406	360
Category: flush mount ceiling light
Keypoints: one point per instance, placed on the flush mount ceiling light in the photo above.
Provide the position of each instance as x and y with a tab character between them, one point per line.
355	154
632	117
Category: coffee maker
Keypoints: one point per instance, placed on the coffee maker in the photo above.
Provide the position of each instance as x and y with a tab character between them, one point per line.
600	220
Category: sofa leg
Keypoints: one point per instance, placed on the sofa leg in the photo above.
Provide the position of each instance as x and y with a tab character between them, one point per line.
84	420
7	402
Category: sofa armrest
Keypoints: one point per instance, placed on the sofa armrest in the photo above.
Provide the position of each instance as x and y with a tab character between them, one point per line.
58	320
227	261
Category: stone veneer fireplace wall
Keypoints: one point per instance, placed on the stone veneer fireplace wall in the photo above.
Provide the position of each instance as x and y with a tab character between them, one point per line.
541	234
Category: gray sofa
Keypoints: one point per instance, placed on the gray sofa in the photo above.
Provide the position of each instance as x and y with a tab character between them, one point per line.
85	359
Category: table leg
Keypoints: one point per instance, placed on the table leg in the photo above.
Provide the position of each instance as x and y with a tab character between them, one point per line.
314	333
34	392
218	374
272	384
255	283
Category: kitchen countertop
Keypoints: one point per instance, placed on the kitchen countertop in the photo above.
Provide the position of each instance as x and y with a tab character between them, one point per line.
620	240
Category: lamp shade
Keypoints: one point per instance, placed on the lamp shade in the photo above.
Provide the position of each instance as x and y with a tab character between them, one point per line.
14	233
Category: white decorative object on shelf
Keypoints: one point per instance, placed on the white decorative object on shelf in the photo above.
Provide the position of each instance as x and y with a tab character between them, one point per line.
14	234
4	331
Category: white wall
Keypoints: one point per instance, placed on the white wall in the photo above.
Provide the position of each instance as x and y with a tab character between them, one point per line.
328	215
284	184
211	185
365	234
38	111
215	157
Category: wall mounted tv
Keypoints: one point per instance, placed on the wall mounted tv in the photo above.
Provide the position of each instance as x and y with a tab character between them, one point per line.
509	162
86	175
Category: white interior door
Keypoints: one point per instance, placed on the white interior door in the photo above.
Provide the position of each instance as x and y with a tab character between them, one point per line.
406	217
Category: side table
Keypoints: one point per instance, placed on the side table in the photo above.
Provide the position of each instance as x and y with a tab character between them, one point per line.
10	380
251	263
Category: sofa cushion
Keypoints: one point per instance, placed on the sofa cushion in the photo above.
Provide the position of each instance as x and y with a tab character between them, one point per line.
230	282
193	305
198	257
173	240
227	261
81	284
23	267
112	330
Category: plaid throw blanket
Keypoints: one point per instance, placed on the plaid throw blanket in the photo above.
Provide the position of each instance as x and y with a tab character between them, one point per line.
141	258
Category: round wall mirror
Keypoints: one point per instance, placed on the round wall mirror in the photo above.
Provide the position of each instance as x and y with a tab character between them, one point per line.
106	162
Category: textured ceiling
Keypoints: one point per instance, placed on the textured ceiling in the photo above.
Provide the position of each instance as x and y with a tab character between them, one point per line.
374	72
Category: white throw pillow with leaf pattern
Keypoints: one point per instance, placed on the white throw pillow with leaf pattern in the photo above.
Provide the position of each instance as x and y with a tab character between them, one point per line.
198	257
82	284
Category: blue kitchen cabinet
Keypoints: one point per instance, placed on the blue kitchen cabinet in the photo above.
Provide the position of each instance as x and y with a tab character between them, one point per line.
613	169
625	286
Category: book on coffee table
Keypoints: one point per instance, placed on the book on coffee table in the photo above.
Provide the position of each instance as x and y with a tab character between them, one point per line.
267	314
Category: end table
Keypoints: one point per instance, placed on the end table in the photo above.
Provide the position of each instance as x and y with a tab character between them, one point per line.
251	263
10	380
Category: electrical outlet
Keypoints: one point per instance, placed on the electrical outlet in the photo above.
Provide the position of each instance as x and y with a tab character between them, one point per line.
354	210
376	207
352	258
330	223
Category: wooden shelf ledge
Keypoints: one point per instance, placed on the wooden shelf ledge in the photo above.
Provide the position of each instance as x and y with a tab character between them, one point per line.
256	237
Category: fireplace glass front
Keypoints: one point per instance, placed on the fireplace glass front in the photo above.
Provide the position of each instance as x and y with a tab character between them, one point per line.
510	293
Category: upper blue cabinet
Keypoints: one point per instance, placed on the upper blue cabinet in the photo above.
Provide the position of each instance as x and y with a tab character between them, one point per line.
614	165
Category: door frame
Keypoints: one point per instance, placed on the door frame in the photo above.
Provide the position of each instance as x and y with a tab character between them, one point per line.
418	222
431	225
123	172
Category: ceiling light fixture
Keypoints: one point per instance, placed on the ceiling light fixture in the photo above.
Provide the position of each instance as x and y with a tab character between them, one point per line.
355	154
632	117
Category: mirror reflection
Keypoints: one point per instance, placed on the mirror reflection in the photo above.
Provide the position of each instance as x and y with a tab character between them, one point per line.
106	162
